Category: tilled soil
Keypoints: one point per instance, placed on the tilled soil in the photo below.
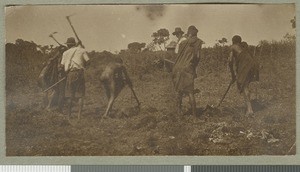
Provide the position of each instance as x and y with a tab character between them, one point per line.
156	128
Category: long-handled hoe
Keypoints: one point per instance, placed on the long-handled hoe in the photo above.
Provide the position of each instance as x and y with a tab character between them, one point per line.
212	107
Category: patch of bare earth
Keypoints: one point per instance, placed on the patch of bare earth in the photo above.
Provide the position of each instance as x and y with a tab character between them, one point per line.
156	129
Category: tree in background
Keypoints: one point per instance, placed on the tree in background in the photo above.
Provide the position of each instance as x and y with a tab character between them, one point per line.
136	47
219	47
24	61
289	37
293	21
223	41
161	37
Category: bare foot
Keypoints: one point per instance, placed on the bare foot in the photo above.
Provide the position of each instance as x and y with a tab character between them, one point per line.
104	117
249	113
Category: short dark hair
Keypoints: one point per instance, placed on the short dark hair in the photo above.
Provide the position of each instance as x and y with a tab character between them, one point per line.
236	39
192	30
244	45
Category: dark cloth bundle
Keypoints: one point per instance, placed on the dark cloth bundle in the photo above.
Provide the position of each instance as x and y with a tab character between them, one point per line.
184	70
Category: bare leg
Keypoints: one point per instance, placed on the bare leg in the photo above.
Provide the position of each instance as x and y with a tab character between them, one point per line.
246	94
61	105
109	106
70	106
107	89
80	102
50	96
179	103
111	90
45	100
193	103
61	96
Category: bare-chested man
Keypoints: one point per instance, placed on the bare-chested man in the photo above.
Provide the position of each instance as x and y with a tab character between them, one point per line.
242	66
51	73
114	77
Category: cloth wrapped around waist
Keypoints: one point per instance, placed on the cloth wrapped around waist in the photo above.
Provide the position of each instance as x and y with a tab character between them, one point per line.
183	79
246	69
75	84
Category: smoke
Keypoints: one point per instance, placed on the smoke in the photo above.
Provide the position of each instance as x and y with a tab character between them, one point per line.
152	11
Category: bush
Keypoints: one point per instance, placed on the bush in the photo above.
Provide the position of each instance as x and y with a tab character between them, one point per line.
23	64
24	60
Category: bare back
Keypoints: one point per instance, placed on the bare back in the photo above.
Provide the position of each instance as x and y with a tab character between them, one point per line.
110	70
236	50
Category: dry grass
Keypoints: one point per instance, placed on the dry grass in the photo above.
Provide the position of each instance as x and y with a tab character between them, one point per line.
156	129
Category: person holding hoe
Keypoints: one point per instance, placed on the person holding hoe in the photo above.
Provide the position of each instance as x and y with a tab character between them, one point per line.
184	70
74	61
243	69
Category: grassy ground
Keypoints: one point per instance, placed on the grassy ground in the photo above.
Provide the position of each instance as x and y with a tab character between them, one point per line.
156	129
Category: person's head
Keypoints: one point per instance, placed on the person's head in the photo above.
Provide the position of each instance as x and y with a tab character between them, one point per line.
192	31
244	45
71	42
178	32
236	39
62	49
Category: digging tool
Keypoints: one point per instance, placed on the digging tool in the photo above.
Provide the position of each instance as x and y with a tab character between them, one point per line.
231	82
55	84
223	97
127	80
52	36
291	148
69	20
129	83
137	100
169	61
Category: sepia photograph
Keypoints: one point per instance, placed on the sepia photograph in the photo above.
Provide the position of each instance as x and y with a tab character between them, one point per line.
150	80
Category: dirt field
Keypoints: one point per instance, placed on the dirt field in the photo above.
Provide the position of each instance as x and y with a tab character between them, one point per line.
156	129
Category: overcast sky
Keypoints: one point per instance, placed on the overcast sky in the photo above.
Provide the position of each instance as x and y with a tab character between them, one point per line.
113	27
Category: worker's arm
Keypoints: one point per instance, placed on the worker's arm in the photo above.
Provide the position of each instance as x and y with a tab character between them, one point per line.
230	64
126	76
86	59
197	54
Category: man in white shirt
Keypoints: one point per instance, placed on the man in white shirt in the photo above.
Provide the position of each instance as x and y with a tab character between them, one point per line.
74	61
179	34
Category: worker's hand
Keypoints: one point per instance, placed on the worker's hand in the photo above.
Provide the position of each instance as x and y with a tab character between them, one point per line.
87	64
60	70
60	67
80	44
